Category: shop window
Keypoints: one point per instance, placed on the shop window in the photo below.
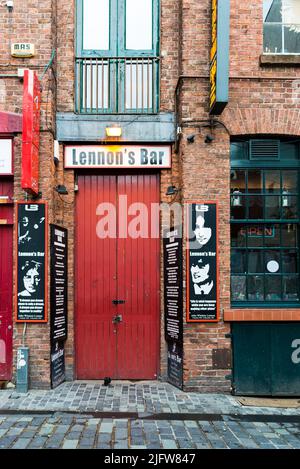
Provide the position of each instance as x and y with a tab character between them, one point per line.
264	203
281	26
117	63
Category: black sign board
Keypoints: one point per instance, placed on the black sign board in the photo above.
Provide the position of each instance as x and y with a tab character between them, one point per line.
175	364
172	243
202	262
59	282
31	262
57	364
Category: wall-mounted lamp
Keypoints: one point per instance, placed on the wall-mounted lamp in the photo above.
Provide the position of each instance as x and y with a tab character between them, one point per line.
209	138
236	200
286	198
113	131
190	138
172	190
10	5
62	190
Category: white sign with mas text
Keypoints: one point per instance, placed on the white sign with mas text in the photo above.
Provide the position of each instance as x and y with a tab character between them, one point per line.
117	156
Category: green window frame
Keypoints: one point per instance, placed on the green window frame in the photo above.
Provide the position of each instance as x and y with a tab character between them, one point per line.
264	203
281	27
117	79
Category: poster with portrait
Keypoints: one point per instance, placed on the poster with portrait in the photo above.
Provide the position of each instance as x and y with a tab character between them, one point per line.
202	262
31	285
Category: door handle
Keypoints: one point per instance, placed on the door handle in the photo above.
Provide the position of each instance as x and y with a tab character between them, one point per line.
118	302
118	318
9	327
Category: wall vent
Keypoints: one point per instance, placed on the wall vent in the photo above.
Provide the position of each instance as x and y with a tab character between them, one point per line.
264	149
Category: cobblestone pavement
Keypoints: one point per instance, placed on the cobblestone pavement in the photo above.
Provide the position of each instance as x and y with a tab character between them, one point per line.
142	397
69	431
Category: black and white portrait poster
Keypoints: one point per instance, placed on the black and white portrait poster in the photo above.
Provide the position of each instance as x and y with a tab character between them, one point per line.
59	282
173	303
202	262
31	262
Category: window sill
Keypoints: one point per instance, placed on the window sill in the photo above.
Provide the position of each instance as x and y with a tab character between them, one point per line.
280	60
259	314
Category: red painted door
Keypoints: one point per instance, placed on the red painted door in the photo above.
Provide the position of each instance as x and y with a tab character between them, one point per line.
117	340
6	295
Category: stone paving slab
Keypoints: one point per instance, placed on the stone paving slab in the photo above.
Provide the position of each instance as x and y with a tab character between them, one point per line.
203	435
152	397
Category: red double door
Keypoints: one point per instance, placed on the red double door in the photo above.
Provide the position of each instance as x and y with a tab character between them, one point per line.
6	299
117	276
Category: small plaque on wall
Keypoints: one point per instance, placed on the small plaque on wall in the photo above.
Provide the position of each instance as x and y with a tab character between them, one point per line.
202	262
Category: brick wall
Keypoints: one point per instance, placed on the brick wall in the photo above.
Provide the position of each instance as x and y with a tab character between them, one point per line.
32	22
262	100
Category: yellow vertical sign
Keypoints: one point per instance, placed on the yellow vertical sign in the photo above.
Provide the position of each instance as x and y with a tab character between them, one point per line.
213	54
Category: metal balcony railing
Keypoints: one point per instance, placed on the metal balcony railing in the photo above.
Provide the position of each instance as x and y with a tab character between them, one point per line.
111	85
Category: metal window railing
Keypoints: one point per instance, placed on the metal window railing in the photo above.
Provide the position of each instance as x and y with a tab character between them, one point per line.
117	85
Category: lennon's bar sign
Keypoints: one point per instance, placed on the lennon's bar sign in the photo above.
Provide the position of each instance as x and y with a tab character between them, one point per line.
31	285
202	262
117	156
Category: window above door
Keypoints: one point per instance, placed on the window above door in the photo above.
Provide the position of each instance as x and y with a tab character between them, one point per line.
117	63
281	27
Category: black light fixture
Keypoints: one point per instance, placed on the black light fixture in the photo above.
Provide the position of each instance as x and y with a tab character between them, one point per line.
172	190
209	138
62	190
190	138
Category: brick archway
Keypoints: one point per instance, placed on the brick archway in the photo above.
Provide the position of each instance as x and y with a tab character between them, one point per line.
253	121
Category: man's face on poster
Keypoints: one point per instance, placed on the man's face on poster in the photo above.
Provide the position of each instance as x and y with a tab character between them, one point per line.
31	280
199	273
202	233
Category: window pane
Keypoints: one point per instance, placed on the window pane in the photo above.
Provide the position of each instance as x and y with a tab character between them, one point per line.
238	288
255	181
273	287
238	235
256	206
272	11
288	151
238	206
272	182
290	181
139	24
238	261
139	84
255	261
292	39
291	210
272	38
272	208
96	24
95	80
289	235
272	262
272	235
289	262
290	288
237	180
255	288
255	235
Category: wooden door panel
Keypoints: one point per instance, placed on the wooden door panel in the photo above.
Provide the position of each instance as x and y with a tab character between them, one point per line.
138	284
95	282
